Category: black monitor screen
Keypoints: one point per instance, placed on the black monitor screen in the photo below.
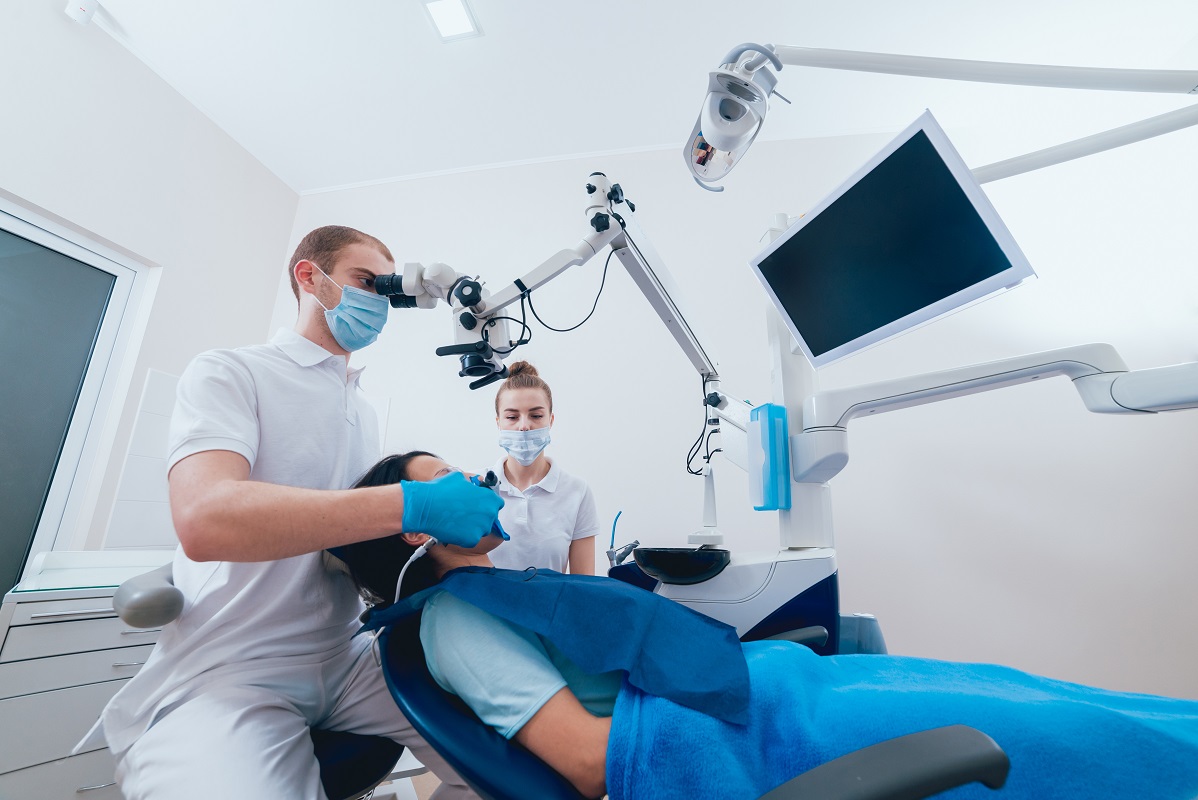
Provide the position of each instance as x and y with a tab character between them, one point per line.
903	237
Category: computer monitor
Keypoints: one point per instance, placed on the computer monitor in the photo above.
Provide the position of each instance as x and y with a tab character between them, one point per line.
907	239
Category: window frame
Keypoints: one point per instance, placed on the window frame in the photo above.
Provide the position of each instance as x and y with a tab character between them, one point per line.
70	504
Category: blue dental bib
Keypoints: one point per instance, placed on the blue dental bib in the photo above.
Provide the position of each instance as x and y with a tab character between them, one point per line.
601	625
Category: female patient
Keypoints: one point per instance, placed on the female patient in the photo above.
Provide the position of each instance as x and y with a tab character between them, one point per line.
1064	740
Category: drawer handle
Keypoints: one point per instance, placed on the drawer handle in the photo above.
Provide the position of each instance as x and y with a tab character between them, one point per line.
129	664
45	614
83	789
141	630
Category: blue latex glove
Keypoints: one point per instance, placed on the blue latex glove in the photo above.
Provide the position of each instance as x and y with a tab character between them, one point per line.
450	509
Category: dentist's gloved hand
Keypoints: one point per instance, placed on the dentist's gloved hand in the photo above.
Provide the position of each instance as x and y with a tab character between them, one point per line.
450	509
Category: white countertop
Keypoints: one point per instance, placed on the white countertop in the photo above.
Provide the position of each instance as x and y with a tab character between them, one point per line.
79	569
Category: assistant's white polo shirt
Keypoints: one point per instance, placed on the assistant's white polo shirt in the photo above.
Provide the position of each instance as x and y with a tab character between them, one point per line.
290	408
543	519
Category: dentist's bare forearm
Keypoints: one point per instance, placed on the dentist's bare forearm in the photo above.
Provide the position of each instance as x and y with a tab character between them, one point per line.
222	515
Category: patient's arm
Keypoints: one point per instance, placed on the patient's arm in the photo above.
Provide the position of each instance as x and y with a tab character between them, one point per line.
570	739
504	673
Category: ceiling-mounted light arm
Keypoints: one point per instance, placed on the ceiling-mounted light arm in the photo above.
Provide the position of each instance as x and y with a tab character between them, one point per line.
1171	81
736	102
765	52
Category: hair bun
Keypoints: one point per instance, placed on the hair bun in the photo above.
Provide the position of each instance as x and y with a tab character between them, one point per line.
522	368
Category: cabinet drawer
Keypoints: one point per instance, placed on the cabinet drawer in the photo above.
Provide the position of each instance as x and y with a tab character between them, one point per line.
47	726
62	610
60	638
83	777
61	672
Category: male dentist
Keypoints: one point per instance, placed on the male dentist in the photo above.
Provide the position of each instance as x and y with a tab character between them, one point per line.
264	442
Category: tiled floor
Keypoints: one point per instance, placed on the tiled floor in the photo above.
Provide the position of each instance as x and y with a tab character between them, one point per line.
419	787
425	785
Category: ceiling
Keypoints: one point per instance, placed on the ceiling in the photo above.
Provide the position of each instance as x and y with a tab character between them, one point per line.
337	93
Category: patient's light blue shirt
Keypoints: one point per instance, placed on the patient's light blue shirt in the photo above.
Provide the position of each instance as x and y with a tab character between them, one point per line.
502	671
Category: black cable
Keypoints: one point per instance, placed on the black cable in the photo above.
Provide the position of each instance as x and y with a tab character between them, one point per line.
698	445
521	339
594	305
708	452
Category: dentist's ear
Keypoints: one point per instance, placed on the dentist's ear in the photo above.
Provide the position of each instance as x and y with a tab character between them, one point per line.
305	277
415	539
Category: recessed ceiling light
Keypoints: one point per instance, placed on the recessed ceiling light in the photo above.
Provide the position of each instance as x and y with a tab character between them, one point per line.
452	19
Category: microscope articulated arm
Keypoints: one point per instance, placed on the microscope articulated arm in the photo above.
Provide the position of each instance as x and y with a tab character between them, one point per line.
651	276
480	332
547	271
1097	371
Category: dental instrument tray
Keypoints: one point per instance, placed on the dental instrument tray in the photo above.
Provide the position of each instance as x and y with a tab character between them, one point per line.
681	565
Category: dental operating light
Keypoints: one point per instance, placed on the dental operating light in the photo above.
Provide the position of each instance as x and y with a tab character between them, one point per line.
738	93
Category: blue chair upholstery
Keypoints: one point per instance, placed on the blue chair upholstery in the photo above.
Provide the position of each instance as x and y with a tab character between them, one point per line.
494	767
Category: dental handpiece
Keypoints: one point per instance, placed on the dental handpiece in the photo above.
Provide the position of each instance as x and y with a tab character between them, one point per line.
489	481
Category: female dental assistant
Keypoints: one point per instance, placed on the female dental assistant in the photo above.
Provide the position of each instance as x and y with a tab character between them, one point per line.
549	513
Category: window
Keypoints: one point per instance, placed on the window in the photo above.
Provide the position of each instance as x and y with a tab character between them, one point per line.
71	318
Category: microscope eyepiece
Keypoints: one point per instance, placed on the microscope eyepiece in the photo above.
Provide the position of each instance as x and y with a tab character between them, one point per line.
389	284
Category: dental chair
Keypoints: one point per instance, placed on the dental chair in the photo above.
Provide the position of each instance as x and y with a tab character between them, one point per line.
351	765
905	768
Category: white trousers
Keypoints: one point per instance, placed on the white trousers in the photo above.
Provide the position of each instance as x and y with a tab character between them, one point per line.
247	737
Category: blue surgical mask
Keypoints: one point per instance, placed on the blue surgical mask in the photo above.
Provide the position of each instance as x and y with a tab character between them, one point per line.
358	319
524	446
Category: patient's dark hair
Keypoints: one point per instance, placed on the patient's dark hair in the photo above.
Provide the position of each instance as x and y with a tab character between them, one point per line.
374	564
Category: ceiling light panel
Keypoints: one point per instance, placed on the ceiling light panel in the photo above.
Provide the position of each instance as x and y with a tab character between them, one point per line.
453	19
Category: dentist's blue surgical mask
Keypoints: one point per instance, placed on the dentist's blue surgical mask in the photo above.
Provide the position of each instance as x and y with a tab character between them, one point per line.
524	446
358	319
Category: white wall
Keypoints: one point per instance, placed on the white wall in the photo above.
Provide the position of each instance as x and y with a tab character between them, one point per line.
93	137
141	512
1012	526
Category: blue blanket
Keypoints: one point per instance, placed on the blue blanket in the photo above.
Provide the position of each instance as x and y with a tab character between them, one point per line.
1064	740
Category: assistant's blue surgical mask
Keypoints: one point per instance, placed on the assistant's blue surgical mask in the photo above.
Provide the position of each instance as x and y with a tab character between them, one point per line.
524	446
358	319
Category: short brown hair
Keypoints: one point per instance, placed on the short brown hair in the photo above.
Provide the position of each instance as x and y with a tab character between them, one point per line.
523	375
323	246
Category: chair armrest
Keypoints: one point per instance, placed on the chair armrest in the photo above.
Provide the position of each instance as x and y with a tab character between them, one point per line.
812	636
904	768
149	600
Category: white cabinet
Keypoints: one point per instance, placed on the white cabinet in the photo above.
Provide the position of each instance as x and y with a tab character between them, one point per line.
63	655
89	773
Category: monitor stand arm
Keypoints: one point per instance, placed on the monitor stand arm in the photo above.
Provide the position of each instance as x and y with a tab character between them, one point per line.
1106	386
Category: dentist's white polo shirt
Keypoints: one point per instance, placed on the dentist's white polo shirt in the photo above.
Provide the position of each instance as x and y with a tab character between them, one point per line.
292	411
